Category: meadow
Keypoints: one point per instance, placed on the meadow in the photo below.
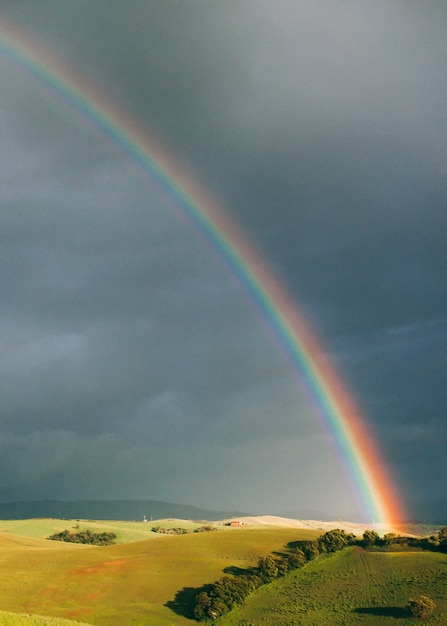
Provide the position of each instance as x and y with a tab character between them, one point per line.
149	578
349	588
130	583
21	619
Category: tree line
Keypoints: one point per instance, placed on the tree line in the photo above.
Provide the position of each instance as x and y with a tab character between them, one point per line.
436	542
216	599
223	595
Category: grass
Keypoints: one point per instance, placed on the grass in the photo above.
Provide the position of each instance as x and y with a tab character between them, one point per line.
20	619
126	531
349	588
138	580
130	583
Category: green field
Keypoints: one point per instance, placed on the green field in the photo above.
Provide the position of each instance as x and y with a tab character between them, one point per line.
148	578
349	588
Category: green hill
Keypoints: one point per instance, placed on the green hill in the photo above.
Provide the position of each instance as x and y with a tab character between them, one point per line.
349	588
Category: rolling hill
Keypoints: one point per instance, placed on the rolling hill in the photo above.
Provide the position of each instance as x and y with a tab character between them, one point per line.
349	588
131	583
150	578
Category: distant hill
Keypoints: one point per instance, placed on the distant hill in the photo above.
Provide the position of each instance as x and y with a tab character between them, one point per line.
108	510
308	514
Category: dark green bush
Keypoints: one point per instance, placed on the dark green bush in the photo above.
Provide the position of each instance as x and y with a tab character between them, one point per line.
86	537
205	529
169	531
334	540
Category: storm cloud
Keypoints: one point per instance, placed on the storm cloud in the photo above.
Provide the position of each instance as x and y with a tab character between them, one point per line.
132	363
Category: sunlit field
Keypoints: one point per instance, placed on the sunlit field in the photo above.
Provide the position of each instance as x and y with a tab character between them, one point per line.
125	531
152	578
122	584
20	619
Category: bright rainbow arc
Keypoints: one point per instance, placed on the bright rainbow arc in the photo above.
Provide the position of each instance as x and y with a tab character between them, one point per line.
341	416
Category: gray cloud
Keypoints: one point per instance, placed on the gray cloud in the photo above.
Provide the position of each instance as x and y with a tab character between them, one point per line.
128	352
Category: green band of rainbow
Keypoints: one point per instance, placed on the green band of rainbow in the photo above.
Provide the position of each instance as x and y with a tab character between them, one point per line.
340	414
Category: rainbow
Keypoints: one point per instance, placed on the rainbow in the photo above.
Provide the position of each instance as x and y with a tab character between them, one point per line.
341	416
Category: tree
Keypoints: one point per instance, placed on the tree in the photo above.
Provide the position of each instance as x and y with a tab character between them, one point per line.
421	607
267	568
370	538
310	549
296	559
231	591
203	603
390	539
333	540
442	538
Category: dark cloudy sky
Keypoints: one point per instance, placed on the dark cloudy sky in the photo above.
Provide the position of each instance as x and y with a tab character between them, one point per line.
132	366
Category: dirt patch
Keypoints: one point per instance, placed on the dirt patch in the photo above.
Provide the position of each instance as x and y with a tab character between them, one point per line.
102	568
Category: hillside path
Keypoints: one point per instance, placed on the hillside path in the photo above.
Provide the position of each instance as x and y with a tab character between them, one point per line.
366	574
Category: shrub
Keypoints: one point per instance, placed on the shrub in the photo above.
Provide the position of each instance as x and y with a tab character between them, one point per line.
169	531
421	607
268	568
205	529
86	537
310	549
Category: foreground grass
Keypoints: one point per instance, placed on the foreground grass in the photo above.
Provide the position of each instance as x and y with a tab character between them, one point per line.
132	583
19	619
349	588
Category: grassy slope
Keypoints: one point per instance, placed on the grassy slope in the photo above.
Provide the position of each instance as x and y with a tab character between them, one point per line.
20	619
125	531
350	588
128	583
